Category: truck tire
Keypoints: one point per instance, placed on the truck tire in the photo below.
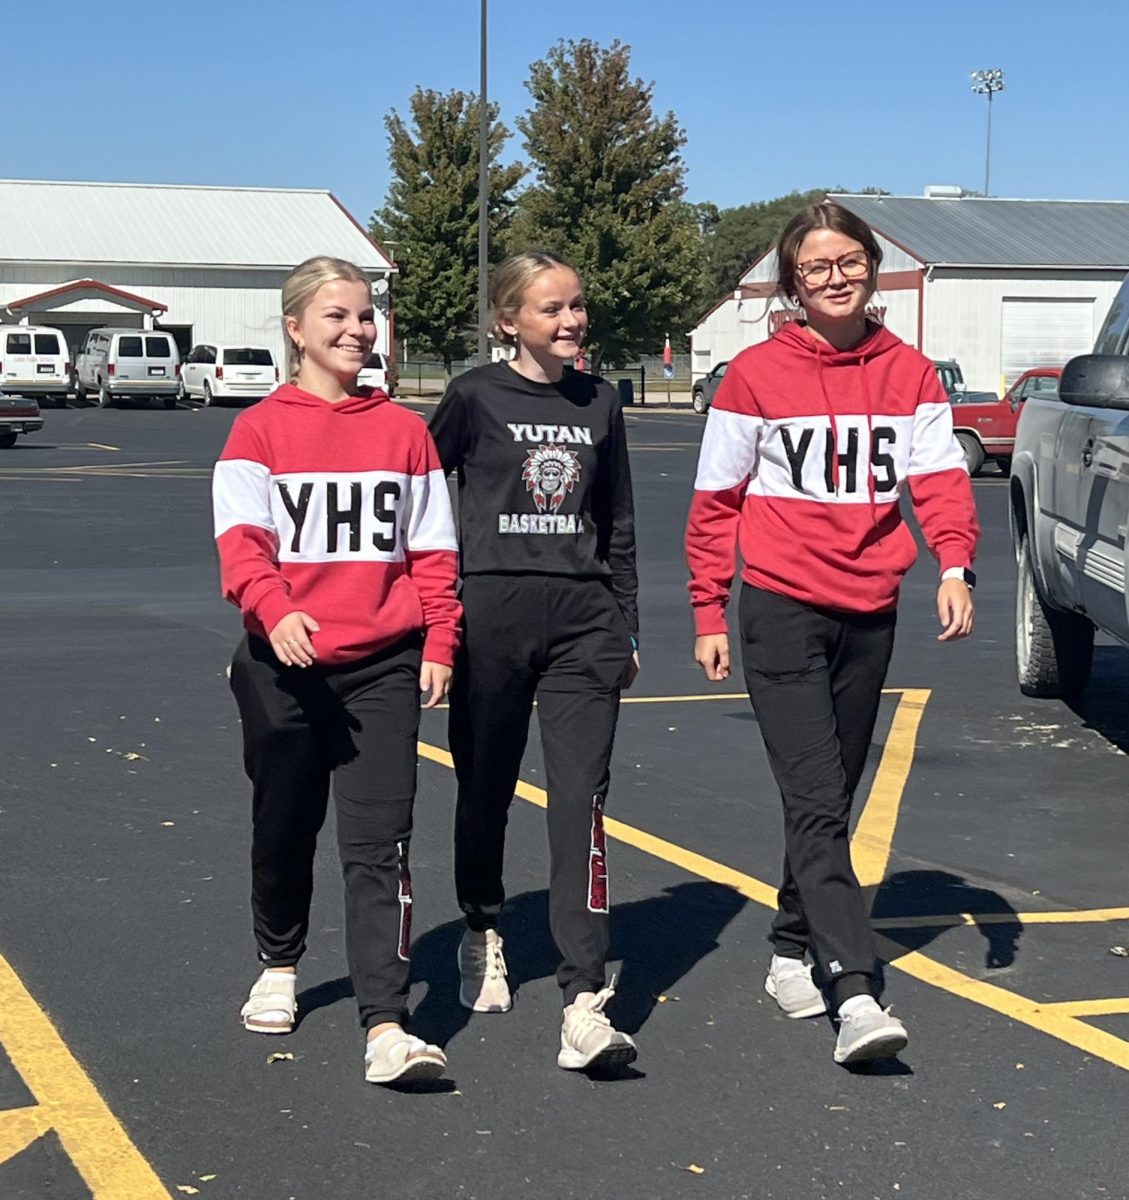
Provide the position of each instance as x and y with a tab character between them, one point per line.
1054	651
698	403
973	452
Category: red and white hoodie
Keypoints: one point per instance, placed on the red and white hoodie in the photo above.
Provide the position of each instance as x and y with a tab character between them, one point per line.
802	463
340	511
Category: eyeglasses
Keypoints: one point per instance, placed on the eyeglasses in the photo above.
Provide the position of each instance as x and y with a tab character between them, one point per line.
817	271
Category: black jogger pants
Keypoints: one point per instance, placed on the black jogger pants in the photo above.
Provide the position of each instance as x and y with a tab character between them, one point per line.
359	724
563	641
815	679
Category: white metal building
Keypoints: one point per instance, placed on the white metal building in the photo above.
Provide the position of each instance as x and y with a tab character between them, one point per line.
998	285
204	263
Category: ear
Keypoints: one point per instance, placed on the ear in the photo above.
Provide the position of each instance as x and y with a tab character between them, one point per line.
506	325
292	325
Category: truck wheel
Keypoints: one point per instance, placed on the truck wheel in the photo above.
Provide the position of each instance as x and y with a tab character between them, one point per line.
698	402
1054	650
973	452
7	439
104	397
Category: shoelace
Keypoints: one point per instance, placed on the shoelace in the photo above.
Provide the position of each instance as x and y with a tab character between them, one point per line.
489	960
593	1014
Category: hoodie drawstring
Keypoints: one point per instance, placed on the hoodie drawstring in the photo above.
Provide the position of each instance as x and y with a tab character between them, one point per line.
869	446
830	417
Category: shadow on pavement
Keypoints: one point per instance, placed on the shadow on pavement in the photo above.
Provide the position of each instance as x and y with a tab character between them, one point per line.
661	939
918	895
1104	705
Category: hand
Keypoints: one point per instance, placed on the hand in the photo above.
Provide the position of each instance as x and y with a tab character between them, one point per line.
435	678
711	652
955	609
630	670
290	640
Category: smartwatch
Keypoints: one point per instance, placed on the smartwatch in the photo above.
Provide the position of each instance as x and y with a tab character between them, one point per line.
966	576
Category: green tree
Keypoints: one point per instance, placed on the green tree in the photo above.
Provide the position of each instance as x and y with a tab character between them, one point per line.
431	217
608	196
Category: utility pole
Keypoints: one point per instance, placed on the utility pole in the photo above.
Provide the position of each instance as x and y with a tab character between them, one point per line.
483	199
986	83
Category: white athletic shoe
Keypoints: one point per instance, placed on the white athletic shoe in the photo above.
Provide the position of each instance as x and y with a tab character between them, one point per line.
588	1038
789	983
868	1031
482	973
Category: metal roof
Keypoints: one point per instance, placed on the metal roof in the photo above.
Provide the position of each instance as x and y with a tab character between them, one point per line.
177	225
976	231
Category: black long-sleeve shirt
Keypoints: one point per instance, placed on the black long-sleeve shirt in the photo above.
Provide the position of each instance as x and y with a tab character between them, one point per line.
543	475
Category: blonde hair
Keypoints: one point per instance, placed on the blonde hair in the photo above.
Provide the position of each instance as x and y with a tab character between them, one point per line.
511	278
300	287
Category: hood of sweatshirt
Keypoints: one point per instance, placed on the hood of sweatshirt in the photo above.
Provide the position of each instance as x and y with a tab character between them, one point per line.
795	337
363	401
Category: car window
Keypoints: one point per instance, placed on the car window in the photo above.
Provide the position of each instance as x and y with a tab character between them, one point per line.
720	370
374	362
1114	336
129	347
1045	385
47	343
19	343
247	356
158	347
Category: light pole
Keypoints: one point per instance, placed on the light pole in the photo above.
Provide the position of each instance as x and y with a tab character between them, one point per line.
483	197
985	83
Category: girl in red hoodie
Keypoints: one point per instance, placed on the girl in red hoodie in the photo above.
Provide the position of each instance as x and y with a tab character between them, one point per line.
336	542
809	442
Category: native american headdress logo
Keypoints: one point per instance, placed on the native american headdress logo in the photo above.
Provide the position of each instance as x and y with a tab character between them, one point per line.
550	473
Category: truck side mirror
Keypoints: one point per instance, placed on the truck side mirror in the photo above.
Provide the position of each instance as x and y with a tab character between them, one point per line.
1096	381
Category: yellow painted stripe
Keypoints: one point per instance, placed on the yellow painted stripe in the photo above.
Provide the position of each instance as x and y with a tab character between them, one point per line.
874	832
1113	1007
1069	916
740	696
1018	1008
102	446
19	1127
67	1102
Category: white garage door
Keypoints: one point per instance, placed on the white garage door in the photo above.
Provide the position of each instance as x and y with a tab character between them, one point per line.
1044	333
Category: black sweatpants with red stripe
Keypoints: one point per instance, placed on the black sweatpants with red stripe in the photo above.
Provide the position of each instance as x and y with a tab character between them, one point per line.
815	679
357	723
564	642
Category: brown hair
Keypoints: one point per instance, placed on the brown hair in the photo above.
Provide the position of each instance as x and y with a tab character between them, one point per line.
828	215
511	278
300	287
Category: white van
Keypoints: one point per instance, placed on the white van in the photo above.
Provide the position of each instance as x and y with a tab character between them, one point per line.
34	362
214	372
375	372
138	363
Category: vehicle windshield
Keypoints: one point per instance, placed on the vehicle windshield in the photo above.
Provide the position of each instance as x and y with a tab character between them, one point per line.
374	363
46	343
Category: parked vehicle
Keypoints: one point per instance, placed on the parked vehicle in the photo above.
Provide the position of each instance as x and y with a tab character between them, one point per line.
18	414
985	427
375	372
1069	510
702	391
212	373
138	363
34	362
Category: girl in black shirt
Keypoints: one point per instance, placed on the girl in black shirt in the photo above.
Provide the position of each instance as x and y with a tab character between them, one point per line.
547	539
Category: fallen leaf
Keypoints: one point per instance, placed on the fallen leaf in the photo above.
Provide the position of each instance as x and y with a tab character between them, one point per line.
838	1108
484	1131
187	1189
693	1168
1019	1066
1000	1104
133	756
664	999
166	824
1120	951
205	1178
90	739
280	1056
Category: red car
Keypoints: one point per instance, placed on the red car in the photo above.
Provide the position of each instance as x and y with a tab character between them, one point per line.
986	429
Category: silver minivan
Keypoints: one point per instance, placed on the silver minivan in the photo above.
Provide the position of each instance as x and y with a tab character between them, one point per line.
139	363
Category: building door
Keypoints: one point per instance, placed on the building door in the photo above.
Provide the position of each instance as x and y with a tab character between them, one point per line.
1043	333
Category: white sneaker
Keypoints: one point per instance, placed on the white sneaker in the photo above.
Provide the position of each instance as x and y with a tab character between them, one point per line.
789	983
588	1038
482	973
868	1031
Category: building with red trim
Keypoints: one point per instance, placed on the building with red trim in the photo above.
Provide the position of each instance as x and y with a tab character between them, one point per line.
998	285
204	263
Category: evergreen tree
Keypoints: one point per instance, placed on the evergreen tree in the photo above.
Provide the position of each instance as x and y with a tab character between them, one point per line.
608	197
431	218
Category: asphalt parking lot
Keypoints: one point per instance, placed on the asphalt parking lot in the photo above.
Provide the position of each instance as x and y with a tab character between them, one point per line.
998	884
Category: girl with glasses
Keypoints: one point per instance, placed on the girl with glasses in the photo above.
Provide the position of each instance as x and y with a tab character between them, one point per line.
810	441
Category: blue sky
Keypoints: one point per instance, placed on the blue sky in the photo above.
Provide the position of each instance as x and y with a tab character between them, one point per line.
773	97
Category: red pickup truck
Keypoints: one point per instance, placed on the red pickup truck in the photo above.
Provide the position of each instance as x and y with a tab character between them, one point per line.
986	429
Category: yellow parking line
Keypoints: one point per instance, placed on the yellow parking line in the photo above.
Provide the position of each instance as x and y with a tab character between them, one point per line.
67	1102
1069	916
874	832
1114	1007
741	696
